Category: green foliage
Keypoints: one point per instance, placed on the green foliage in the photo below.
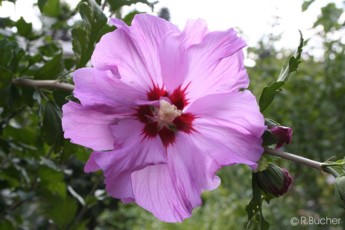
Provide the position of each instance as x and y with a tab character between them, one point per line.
254	208
49	8
310	103
10	56
91	30
24	28
306	4
117	4
269	92
329	18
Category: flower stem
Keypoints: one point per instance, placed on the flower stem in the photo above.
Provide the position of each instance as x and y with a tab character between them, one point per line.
298	159
43	84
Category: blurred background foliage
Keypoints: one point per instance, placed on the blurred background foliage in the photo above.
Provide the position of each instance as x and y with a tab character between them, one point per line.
42	184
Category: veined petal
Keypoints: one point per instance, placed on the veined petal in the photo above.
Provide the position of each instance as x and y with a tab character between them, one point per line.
102	87
134	153
173	56
88	126
229	126
155	191
171	191
237	110
173	61
227	146
192	169
215	65
116	50
194	32
147	32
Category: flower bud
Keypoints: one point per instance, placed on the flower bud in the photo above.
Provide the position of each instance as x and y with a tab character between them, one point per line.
340	190
282	134
274	180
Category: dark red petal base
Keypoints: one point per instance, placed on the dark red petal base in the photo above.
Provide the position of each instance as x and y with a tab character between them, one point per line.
183	123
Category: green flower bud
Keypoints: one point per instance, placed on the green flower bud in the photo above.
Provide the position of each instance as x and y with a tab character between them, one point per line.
274	180
340	190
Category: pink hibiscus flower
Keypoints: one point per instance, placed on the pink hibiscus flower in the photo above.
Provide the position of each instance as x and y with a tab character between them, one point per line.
163	110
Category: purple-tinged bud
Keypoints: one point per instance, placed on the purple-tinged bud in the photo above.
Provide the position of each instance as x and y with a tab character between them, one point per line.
340	190
282	134
274	180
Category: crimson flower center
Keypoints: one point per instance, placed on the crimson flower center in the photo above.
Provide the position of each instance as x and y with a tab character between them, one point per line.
167	119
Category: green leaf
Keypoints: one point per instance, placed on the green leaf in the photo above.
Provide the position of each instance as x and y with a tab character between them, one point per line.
52	130
10	56
62	211
85	36
117	4
50	8
52	181
6	224
329	18
268	138
254	208
52	68
6	22
129	17
293	63
24	28
306	4
268	94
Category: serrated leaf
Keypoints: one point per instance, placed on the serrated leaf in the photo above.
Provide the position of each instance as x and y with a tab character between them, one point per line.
24	28
85	36
117	4
52	130
293	63
268	94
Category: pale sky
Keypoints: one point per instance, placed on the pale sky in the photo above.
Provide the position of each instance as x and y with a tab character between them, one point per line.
253	17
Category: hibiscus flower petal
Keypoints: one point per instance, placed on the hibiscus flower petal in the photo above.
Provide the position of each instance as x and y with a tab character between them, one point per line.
173	62
229	125
194	32
226	145
88	126
147	32
102	87
192	169
171	191
155	191
216	65
116	51
237	110
132	153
